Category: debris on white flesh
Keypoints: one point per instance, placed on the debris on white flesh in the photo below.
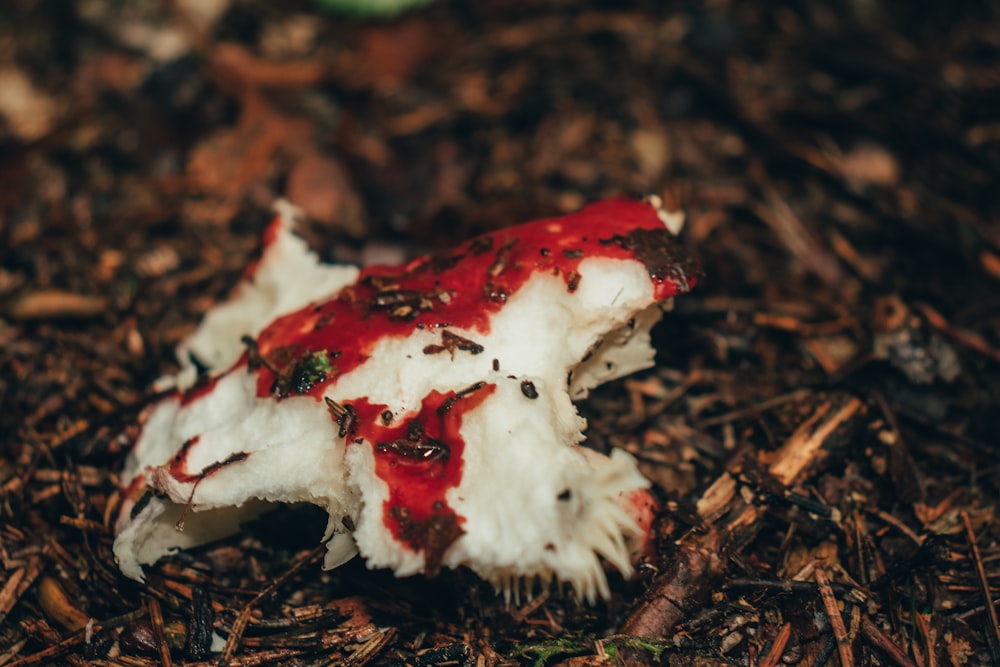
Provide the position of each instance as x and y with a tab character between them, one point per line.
427	407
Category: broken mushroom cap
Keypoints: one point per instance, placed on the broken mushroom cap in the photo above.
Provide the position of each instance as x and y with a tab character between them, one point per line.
427	407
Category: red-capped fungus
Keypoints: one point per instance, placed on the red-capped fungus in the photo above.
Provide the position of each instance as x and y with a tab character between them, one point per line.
428	408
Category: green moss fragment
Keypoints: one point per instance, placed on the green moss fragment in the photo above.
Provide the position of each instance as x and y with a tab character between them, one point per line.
542	652
654	649
302	374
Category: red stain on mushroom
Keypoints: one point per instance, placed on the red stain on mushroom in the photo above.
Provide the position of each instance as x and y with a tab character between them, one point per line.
271	234
178	464
467	286
420	459
642	506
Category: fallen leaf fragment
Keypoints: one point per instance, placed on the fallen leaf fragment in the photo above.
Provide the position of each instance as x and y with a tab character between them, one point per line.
321	188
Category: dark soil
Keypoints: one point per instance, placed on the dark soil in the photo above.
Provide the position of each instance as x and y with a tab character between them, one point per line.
822	422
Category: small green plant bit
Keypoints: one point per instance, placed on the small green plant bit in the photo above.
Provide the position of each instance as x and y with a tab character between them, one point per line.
652	648
372	8
542	652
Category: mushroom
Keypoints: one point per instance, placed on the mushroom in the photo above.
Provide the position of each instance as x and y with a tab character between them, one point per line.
428	408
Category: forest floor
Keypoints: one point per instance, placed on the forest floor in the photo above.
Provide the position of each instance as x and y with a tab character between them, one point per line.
822	422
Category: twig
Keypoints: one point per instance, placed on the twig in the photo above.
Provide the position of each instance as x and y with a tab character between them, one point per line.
754	409
800	241
993	634
519	615
85	525
156	623
806	329
17	584
902	469
836	620
900	526
786	586
13	650
884	644
963	337
975	611
925	633
8	594
778	647
808	439
369	649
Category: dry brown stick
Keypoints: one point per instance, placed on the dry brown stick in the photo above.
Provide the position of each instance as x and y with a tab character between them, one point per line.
85	525
701	555
755	409
798	239
902	469
372	647
17	584
884	644
8	594
778	647
668	601
45	304
807	329
928	640
156	623
836	620
984	585
8	654
520	615
969	339
900	526
89	475
974	611
802	448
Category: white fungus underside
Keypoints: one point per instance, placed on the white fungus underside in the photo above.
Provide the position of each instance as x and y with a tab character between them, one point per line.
520	453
